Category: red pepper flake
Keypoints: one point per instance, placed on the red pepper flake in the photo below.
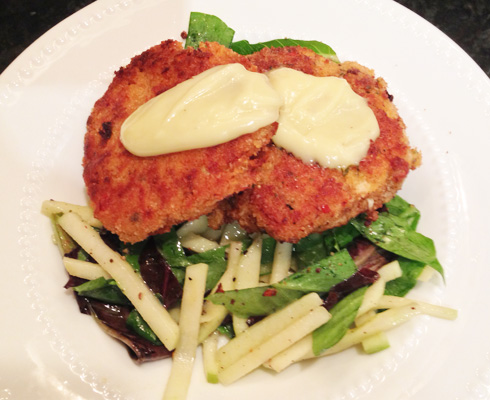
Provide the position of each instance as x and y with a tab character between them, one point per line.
324	208
269	292
318	270
140	295
232	301
183	35
219	289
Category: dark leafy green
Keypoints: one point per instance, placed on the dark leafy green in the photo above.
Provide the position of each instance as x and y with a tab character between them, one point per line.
159	276
132	252
113	320
171	249
207	28
255	301
403	209
392	233
402	285
320	277
169	245
137	324
343	315
245	47
216	264
338	238
310	250
318	246
268	248
362	277
104	290
227	330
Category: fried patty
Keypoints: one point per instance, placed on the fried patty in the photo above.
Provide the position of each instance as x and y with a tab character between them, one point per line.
135	197
248	179
292	199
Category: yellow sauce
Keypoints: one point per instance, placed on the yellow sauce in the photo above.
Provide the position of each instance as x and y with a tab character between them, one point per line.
322	119
211	108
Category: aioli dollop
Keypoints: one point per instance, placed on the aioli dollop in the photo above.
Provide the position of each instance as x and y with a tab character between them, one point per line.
211	108
322	119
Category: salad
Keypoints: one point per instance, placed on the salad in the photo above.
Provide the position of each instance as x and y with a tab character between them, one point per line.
249	300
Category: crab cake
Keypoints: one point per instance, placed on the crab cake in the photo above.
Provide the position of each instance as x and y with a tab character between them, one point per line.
292	199
135	197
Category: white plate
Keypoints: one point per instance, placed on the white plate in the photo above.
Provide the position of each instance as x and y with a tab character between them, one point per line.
50	351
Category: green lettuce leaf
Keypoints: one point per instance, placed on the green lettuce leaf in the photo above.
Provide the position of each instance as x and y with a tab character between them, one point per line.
268	248
343	315
403	209
266	300
207	28
216	264
320	277
336	239
255	301
394	234
138	325
245	47
105	290
310	250
410	272
171	249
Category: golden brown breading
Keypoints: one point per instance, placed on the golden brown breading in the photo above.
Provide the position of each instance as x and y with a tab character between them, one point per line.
292	199
138	196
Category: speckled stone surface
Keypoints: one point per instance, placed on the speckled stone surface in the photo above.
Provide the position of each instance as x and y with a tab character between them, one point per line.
466	22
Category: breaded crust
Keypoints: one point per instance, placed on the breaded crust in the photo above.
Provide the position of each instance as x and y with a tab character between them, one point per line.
135	197
291	199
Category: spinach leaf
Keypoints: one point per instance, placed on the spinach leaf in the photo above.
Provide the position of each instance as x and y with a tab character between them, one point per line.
320	277
171	249
338	238
216	264
226	328
138	325
410	272
255	301
132	253
403	209
259	301
207	28
310	250
245	47
343	315
104	290
179	273
268	248
392	233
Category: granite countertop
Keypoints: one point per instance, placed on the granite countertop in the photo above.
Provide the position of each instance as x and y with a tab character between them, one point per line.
467	22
